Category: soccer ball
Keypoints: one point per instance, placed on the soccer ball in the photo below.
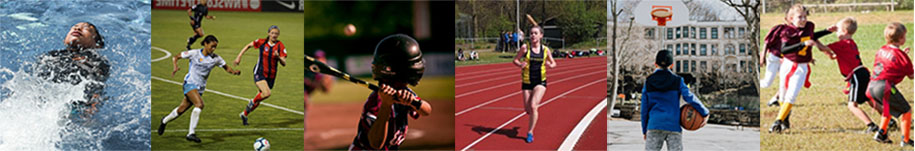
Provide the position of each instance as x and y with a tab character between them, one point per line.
261	144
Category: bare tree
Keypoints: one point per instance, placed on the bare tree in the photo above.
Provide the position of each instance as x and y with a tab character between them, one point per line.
749	9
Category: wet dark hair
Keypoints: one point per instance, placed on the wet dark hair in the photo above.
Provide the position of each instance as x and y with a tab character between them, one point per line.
98	37
209	39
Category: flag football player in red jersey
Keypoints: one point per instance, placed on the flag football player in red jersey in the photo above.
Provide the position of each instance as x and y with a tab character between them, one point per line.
891	65
272	53
397	63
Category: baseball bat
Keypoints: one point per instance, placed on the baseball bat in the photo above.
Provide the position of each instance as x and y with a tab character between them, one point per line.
531	19
319	67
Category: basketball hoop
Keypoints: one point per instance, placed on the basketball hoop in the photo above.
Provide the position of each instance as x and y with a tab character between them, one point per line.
661	14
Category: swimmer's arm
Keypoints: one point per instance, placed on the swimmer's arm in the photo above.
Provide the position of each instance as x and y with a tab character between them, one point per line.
175	64
242	52
518	56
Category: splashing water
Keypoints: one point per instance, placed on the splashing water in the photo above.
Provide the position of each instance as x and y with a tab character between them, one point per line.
36	114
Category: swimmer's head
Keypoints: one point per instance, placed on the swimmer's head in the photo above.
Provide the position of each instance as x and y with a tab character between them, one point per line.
273	33
209	43
84	35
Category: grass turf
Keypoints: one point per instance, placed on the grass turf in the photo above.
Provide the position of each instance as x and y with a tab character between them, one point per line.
234	30
820	119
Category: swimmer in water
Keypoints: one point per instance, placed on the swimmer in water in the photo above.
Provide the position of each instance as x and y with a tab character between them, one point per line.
76	63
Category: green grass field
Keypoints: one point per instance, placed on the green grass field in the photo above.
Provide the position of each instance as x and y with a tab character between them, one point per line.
220	127
820	119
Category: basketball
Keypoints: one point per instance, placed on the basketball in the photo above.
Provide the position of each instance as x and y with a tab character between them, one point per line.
690	119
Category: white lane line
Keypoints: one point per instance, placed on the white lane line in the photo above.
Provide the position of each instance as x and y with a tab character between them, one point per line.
522	113
576	68
167	54
575	135
234	129
515	69
233	96
501	68
509	95
516	82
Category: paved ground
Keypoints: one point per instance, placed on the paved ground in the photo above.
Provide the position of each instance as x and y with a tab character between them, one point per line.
627	135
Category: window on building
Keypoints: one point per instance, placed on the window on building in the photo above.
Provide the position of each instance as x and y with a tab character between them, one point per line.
693	65
670	47
692	31
714	33
649	33
741	31
729	49
670	33
728	32
702	33
677	67
678	49
743	49
685	66
685	32
679	32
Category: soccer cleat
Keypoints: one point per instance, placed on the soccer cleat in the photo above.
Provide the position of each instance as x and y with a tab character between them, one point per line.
872	128
244	119
774	102
530	138
193	137
882	137
777	127
161	127
787	123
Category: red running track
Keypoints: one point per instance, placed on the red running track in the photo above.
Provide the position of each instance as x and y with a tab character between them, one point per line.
489	113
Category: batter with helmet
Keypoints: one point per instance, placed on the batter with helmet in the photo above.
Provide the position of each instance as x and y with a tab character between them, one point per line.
397	63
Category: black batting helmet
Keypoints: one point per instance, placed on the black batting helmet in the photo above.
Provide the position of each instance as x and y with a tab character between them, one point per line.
398	58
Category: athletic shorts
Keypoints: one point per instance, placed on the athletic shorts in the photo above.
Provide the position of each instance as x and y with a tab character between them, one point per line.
857	85
258	77
188	87
878	90
531	86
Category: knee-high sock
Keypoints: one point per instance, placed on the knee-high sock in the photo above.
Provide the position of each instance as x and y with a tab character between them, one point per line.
253	104
171	116
195	116
783	112
906	123
192	39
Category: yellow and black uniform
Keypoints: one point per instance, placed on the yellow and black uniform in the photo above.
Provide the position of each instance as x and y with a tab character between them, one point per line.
535	72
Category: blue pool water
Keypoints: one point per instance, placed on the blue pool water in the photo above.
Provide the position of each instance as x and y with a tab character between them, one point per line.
34	113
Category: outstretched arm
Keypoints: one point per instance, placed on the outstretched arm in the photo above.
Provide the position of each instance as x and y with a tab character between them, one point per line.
242	52
230	70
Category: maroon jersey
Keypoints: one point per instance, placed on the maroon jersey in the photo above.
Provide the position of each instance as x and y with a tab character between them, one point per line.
266	63
790	35
847	55
774	41
397	124
892	64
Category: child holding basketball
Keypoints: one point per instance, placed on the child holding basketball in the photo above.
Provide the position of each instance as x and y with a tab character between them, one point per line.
660	105
891	65
397	63
795	45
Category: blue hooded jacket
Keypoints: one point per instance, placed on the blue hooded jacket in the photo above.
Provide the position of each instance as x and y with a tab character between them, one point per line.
661	101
